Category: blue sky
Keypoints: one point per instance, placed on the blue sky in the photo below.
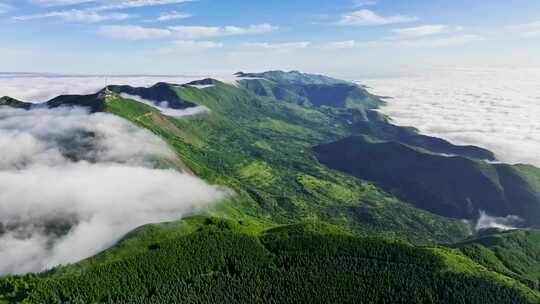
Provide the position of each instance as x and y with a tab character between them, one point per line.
348	38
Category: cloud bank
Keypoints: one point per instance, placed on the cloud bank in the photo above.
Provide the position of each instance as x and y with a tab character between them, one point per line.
497	109
365	17
163	106
73	183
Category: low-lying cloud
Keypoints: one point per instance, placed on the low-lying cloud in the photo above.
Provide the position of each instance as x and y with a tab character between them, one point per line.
73	183
486	221
163	106
497	109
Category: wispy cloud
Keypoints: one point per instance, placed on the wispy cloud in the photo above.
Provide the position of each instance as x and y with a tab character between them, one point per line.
426	30
60	2
124	4
133	32
362	3
184	33
440	42
366	17
174	15
76	16
109	4
527	30
348	44
180	46
197	32
287	46
4	8
413	42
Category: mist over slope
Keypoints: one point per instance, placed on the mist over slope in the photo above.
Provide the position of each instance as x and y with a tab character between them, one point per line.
497	109
73	183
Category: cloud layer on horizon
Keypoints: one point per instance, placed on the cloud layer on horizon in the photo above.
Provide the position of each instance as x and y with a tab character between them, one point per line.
38	88
497	109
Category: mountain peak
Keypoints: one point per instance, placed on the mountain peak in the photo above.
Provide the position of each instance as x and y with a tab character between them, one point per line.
14	103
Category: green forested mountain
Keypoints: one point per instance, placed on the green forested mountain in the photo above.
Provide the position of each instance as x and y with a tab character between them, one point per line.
515	254
333	204
447	185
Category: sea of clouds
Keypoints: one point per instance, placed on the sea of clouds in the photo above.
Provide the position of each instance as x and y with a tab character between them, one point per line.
74	183
497	109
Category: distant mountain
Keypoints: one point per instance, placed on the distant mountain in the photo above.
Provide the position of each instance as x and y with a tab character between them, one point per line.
320	91
446	185
14	103
160	92
94	102
309	89
376	125
294	78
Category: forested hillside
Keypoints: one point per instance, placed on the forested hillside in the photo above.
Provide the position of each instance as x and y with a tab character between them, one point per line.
452	186
209	260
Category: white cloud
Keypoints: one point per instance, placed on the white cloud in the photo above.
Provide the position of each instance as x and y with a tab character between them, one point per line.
60	2
342	44
133	32
76	16
109	4
163	106
440	42
124	4
362	3
174	15
367	17
196	32
426	30
111	189
527	30
287	46
486	221
4	8
497	109
189	46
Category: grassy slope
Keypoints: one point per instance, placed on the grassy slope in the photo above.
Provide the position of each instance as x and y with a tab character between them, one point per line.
205	259
261	149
